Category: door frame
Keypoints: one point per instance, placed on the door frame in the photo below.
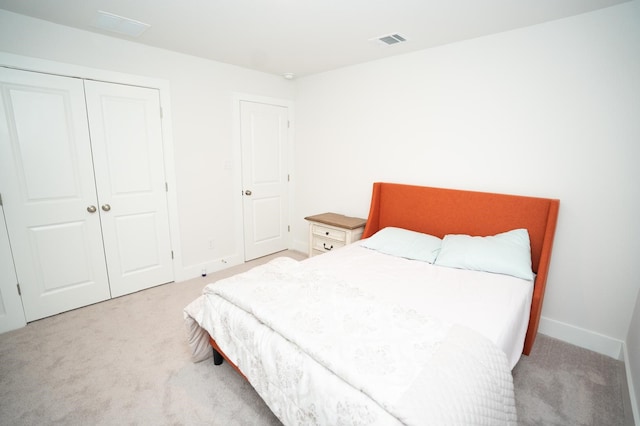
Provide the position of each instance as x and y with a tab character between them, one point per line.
26	63
237	163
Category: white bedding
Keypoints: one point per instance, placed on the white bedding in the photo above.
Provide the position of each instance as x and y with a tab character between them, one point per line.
343	347
497	306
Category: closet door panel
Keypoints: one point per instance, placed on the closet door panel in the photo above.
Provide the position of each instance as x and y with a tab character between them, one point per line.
48	188
11	311
126	137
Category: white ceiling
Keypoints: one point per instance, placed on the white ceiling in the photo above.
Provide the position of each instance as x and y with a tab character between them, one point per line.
305	36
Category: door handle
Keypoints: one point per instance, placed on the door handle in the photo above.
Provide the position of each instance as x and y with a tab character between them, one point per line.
91	209
106	207
247	192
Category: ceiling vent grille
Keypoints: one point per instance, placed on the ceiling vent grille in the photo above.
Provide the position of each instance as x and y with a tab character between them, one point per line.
119	24
390	39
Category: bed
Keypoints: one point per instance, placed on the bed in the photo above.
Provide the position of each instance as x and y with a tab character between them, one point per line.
402	327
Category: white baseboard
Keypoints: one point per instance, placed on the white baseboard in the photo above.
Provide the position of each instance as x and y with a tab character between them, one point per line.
192	271
632	392
581	337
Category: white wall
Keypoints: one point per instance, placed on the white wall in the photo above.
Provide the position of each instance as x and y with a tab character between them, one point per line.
202	94
551	110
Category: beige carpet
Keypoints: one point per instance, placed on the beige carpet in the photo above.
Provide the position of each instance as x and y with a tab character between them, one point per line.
126	361
561	384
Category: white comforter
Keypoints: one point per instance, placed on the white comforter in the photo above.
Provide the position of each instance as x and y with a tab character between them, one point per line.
320	350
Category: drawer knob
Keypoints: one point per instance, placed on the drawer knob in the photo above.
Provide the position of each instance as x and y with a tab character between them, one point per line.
325	246
326	233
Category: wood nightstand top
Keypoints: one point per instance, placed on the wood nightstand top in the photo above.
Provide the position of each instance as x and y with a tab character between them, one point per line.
339	220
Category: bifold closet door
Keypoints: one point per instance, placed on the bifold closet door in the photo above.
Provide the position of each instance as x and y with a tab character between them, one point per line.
126	136
48	192
11	311
83	189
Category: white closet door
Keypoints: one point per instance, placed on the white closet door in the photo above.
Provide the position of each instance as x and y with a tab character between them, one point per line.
126	137
48	191
11	312
264	178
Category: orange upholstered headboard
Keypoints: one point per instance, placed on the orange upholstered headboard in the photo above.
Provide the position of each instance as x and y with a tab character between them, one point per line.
439	211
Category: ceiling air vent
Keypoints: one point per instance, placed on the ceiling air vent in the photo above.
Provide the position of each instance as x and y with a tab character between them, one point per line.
119	24
390	39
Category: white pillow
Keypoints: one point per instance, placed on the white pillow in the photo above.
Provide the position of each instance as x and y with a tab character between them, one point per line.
404	243
508	253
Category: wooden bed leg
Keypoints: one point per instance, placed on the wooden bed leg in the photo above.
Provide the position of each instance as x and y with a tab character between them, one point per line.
217	358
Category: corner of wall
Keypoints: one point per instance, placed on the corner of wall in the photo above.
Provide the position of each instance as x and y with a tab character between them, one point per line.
632	391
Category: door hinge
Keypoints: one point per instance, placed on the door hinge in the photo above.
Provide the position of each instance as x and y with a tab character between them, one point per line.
288	124
1	200
288	178
161	115
288	228
172	254
166	187
19	291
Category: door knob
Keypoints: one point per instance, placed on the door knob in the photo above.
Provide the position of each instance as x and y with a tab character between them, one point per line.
106	207
91	209
247	192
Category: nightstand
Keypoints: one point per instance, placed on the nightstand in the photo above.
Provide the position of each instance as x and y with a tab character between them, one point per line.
331	230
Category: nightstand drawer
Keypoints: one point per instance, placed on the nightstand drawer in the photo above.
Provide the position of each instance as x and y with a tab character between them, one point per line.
327	232
324	244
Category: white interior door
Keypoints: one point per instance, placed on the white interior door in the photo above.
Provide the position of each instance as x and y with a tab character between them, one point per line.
126	136
49	194
264	130
11	312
